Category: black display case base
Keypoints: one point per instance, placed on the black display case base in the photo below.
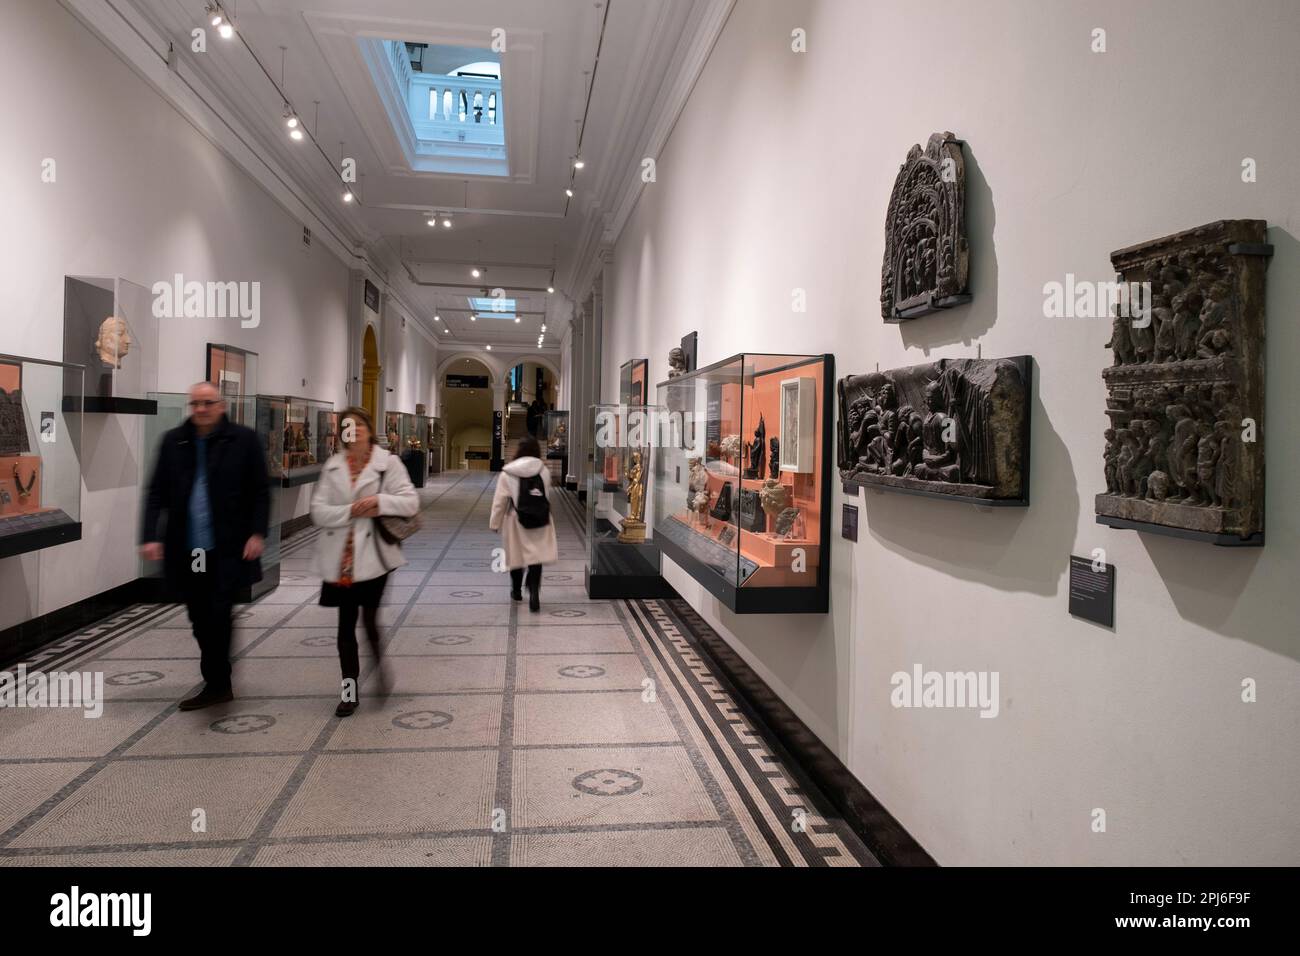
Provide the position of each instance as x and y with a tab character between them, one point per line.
97	405
300	476
37	534
1256	540
742	600
623	569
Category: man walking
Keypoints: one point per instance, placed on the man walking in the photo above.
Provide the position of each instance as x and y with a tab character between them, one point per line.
211	482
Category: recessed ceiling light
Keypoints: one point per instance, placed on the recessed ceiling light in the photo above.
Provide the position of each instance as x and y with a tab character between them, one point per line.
437	318
489	348
516	319
347	196
569	193
578	163
226	31
446	222
474	272
550	290
295	134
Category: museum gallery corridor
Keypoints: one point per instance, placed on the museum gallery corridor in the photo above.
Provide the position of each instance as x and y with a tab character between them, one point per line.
544	716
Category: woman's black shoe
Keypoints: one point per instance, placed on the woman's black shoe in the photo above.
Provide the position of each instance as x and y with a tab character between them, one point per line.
534	601
516	594
345	708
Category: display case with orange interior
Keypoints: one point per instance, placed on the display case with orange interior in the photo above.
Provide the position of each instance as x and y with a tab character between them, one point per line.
289	428
40	464
744	487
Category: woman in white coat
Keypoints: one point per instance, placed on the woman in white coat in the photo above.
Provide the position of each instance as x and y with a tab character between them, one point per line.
525	547
356	486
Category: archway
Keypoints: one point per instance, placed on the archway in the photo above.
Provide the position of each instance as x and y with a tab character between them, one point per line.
467	404
370	372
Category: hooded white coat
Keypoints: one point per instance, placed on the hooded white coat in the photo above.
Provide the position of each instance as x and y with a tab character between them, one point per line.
331	511
524	546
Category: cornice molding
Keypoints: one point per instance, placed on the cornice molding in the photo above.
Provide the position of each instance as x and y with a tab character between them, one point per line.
607	219
142	47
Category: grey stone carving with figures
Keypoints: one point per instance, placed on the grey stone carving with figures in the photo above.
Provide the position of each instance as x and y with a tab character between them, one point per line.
926	265
1185	387
956	427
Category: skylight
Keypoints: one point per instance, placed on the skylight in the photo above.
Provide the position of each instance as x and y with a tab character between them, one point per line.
492	307
445	104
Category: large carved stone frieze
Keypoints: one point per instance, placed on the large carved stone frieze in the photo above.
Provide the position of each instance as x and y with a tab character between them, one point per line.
955	427
1185	390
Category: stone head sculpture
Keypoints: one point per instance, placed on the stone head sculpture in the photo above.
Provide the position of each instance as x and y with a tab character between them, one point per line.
113	341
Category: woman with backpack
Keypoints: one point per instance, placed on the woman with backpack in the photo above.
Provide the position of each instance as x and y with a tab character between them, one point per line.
521	510
358	487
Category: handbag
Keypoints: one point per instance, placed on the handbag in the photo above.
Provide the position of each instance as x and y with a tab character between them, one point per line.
395	529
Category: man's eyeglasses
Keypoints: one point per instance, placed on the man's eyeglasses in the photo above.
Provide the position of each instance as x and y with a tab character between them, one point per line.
205	402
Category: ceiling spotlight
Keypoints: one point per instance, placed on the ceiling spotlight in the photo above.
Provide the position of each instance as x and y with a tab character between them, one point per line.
226	30
569	193
295	134
517	320
347	196
446	330
446	222
216	16
543	328
489	348
437	318
474	272
433	220
550	290
578	163
473	318
290	120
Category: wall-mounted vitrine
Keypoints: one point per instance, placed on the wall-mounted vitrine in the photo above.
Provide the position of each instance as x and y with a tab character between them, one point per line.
623	558
634	382
234	371
110	329
288	427
742	501
173	410
40	454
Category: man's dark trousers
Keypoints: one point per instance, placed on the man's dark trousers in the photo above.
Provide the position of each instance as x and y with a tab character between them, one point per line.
210	607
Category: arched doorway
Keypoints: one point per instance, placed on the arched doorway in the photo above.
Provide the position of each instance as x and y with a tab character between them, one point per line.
467	414
370	372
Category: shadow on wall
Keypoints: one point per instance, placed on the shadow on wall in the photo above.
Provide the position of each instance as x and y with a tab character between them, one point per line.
108	454
1008	549
1221	589
966	323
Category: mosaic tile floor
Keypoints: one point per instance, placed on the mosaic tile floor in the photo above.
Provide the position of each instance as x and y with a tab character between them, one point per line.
587	734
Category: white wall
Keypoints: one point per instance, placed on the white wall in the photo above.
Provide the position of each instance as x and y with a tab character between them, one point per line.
777	177
138	194
410	362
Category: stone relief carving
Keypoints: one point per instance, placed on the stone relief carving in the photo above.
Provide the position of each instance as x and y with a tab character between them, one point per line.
927	261
957	427
1185	389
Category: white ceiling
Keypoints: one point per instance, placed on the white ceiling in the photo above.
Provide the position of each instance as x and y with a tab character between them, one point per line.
516	228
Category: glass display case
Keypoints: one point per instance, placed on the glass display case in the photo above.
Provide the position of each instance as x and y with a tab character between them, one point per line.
172	412
742	502
327	434
623	558
288	427
634	382
40	454
393	432
555	445
415	437
437	445
234	372
110	329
